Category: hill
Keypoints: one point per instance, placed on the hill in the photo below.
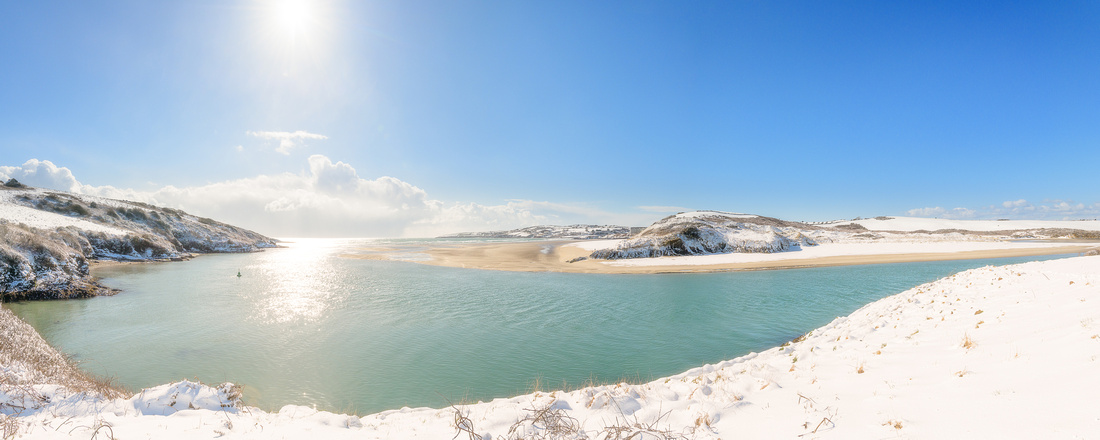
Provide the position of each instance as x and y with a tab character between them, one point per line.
47	239
572	232
714	232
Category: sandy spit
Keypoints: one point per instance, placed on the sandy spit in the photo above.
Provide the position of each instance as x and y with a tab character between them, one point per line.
554	256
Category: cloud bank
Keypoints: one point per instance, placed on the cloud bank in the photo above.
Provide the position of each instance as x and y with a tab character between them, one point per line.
1017	210
330	199
42	173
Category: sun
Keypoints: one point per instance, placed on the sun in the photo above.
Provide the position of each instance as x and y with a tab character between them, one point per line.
293	17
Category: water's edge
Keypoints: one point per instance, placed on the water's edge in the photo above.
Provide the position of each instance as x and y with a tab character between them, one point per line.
656	345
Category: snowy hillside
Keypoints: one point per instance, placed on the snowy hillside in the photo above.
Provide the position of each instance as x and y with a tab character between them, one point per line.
572	232
913	224
47	238
711	232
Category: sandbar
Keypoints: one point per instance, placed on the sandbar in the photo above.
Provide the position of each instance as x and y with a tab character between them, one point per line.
554	256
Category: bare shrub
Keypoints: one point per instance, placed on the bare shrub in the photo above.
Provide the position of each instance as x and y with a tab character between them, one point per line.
625	430
463	424
23	346
9	426
546	422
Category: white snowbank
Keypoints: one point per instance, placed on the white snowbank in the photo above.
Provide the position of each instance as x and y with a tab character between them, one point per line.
996	352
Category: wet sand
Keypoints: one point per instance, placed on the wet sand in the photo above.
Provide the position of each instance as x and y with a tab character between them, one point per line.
554	256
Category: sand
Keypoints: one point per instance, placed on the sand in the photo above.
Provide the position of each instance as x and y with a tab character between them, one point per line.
554	256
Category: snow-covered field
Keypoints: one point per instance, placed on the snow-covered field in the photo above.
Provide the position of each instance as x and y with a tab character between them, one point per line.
995	352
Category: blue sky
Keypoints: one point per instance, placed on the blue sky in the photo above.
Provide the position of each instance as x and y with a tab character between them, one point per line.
418	117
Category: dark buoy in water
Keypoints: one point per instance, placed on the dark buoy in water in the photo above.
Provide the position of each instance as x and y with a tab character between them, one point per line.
238	273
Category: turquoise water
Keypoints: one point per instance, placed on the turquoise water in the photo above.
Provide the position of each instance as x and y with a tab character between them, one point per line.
306	326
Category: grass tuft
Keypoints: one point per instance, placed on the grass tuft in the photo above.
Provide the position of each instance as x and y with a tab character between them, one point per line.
21	345
967	342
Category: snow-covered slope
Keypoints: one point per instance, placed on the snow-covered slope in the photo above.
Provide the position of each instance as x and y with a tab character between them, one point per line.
911	224
995	352
47	238
710	232
572	232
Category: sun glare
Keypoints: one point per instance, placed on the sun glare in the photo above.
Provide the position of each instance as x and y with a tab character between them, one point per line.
293	17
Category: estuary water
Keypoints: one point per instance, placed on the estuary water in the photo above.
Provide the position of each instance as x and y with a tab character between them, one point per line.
305	326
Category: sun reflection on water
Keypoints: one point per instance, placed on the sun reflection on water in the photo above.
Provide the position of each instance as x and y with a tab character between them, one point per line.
298	283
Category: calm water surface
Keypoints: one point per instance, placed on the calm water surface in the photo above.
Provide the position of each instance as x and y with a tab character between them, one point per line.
306	326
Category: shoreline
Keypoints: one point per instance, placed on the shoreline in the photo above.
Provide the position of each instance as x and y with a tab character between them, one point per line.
554	256
997	351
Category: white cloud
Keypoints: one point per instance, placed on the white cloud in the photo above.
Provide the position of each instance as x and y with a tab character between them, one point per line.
1018	210
961	213
939	212
42	173
1065	206
287	140
927	212
1016	204
330	199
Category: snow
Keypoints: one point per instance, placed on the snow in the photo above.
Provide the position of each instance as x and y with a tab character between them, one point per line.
723	238
832	250
577	232
698	214
14	213
909	224
995	352
46	238
708	232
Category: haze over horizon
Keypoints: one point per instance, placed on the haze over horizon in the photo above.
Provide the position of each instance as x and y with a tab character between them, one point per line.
373	119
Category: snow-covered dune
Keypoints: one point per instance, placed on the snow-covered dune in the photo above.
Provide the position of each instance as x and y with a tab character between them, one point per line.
709	232
711	237
911	224
995	352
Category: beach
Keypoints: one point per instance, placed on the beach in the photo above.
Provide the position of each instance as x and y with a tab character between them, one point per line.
555	256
